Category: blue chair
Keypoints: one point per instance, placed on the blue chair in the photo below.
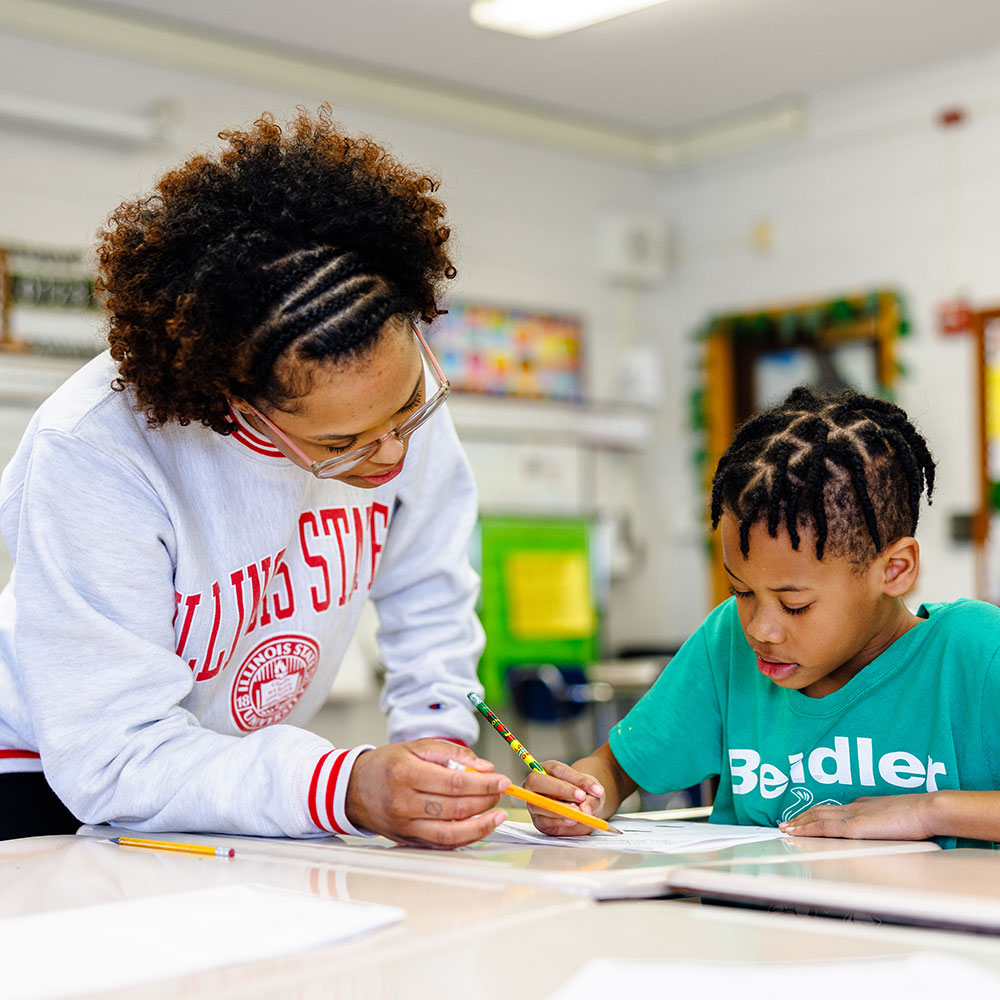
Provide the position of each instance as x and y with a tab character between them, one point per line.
552	694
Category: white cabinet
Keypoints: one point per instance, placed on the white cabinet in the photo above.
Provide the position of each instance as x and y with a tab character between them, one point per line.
534	457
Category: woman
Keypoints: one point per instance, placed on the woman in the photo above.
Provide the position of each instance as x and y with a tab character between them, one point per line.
198	516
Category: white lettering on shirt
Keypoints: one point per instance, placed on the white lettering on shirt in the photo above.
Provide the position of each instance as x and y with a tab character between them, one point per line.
772	782
902	769
934	768
795	768
834	765
746	772
841	756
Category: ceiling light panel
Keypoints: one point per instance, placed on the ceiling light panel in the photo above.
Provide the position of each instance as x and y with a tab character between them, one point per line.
545	18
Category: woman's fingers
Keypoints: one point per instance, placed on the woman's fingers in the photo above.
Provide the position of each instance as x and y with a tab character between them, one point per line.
441	752
459	833
408	793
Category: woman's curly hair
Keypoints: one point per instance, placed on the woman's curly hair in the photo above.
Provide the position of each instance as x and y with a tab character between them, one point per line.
301	236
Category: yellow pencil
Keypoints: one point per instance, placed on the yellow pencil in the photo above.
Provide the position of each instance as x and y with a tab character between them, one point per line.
165	845
562	808
550	805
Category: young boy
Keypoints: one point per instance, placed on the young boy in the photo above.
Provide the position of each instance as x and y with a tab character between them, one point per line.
824	705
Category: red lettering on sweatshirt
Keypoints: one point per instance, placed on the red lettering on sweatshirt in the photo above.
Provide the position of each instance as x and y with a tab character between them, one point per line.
236	579
208	671
190	603
376	510
259	576
314	561
344	525
337	517
324	535
286	610
359	532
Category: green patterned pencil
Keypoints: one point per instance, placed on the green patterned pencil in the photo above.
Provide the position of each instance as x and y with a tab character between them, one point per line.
515	744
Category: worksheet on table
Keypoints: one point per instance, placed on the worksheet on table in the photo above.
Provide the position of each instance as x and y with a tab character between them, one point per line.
647	836
920	976
129	943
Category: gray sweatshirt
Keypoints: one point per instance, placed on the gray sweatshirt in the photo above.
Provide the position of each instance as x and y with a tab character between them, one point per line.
182	600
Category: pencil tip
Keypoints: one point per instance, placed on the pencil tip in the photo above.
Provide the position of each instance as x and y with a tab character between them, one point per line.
613	829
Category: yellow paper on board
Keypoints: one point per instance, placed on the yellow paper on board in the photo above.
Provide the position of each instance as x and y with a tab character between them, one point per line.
549	596
993	403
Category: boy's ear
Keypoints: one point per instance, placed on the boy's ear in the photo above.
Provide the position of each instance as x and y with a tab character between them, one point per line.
900	564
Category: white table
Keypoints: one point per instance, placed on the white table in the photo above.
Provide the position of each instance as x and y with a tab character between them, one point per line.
459	938
443	917
958	888
599	874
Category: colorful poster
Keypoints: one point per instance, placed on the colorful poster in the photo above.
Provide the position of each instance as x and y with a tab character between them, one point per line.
509	352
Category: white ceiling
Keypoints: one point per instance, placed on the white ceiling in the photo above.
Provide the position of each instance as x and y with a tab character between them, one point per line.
682	63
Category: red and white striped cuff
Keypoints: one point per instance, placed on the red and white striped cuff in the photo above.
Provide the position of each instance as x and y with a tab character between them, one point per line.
328	791
12	761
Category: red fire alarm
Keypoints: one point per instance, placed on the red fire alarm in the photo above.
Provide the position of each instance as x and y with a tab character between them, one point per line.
950	117
954	316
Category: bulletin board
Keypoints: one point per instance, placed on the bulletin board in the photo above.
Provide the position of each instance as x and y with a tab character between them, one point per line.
751	360
537	602
986	520
47	303
510	352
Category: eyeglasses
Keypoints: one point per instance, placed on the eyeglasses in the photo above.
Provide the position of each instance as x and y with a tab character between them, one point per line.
337	466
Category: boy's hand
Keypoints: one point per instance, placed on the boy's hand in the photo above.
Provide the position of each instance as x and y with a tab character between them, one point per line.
567	785
885	817
407	792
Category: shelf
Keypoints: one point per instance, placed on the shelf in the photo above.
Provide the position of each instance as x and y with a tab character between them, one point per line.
29	379
615	427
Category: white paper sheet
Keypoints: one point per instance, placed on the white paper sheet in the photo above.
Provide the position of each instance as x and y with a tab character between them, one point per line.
646	836
91	949
923	976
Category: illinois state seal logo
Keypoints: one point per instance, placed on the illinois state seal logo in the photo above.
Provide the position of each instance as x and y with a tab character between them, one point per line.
272	678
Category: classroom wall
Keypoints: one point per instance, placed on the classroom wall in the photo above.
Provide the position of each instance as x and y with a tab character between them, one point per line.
873	195
526	219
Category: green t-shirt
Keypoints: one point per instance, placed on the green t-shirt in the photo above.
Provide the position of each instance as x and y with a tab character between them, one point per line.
923	715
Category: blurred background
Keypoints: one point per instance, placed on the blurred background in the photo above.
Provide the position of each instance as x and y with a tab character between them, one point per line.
662	221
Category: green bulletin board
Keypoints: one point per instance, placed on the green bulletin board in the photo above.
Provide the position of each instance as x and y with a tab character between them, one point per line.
537	603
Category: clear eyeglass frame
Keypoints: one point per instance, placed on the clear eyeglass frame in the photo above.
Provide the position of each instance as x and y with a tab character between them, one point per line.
340	464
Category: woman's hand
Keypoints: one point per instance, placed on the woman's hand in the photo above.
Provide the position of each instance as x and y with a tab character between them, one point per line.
407	792
886	817
564	783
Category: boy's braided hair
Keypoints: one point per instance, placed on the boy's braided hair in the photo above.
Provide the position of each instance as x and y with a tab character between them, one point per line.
849	466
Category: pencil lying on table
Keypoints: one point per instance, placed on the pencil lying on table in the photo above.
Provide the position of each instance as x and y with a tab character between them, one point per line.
550	805
170	845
